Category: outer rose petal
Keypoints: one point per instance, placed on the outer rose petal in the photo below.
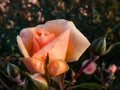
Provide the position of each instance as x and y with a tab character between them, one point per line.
57	67
34	64
27	36
78	43
22	47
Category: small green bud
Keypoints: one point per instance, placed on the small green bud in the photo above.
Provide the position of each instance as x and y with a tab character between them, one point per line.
98	46
12	70
36	82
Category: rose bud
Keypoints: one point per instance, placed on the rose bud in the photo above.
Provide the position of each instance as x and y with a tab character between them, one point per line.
112	69
12	70
60	39
98	46
36	82
90	69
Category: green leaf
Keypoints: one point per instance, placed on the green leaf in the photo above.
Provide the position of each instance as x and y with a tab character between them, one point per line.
111	47
19	88
90	86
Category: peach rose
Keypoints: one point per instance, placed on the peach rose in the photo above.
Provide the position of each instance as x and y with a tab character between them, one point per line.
90	69
60	39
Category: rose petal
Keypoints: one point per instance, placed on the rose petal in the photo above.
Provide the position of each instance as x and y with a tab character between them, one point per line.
78	43
57	67
41	38
22	47
57	49
35	46
27	35
34	64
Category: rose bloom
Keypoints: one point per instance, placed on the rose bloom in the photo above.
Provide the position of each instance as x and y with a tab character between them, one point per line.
59	39
112	69
90	69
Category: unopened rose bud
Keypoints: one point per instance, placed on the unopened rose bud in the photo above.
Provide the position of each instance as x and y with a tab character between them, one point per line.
12	70
98	46
90	69
112	69
36	82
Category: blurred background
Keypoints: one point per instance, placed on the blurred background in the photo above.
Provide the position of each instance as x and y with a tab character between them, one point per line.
92	17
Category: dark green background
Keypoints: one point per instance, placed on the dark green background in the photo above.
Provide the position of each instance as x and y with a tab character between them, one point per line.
91	17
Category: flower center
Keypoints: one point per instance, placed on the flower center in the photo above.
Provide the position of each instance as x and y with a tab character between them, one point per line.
40	39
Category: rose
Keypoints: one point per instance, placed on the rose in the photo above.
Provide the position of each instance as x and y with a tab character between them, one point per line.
60	39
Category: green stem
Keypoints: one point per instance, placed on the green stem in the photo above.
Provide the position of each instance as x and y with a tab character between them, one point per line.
92	59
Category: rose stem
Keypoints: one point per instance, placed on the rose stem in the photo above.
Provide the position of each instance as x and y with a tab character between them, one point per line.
77	74
63	78
5	86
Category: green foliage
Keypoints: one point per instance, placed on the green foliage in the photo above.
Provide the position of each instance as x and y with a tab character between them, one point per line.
89	86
